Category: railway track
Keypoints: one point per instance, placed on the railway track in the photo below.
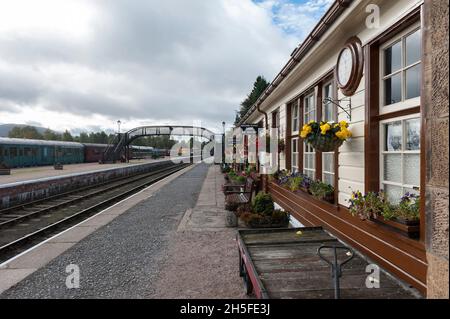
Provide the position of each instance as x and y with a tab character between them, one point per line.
26	225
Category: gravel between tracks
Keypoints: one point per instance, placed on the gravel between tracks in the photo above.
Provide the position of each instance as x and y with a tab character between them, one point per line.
122	259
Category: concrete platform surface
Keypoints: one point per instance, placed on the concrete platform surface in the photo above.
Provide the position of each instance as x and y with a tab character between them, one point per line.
103	245
39	172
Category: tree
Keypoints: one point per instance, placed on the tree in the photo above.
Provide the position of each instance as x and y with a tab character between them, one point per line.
67	137
259	87
50	135
29	132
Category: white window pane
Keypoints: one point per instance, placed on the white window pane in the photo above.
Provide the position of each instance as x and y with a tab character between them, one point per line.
393	135
312	162
413	78
393	58
393	89
328	178
411	169
328	162
392	168
393	193
412	135
413	48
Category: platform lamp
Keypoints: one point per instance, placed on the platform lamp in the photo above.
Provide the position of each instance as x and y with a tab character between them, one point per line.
223	144
118	126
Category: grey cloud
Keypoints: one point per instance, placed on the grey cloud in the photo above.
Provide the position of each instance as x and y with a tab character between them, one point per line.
167	60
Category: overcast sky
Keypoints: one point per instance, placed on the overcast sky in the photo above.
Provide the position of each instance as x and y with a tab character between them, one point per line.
84	64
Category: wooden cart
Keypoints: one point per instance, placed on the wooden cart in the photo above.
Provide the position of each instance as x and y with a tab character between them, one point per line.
281	263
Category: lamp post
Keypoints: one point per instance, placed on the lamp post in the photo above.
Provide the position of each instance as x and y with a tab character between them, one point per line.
118	126
223	144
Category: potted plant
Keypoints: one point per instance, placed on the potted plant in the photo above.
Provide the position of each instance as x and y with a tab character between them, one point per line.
322	191
324	136
404	217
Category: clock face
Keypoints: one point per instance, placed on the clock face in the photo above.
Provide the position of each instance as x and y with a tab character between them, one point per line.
345	65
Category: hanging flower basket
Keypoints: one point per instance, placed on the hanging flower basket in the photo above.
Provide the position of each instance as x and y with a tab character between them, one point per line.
325	137
325	144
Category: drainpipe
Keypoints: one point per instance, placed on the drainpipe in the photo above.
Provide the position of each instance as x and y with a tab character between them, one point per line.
264	177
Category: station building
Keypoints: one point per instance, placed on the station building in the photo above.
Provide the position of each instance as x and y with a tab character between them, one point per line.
382	66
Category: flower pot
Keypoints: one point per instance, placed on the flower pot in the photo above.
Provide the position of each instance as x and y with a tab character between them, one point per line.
325	143
408	228
231	219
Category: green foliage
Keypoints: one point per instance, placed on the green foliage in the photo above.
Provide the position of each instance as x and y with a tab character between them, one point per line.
240	179
29	132
321	190
263	204
295	183
259	87
409	207
374	204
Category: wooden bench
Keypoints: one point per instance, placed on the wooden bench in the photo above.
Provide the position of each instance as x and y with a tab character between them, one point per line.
243	195
4	169
58	166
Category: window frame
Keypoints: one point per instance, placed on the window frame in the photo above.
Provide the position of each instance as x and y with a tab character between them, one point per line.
294	142
404	103
332	85
295	120
402	153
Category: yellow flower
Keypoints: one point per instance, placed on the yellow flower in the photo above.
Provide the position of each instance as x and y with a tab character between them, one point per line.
343	124
307	128
303	134
299	233
325	128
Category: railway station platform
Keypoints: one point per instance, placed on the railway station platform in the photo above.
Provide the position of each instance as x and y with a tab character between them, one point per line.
39	172
168	241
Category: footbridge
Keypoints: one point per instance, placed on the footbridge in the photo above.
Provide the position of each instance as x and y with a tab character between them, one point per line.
119	145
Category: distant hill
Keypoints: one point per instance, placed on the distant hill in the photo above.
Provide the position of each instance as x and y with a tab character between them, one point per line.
6	128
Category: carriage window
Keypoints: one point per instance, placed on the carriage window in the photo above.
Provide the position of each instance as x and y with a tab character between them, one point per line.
13	151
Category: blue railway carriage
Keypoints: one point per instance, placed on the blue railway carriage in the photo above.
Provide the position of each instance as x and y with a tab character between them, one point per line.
17	152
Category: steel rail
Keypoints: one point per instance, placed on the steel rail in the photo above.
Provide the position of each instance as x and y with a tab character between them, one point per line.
37	213
75	191
5	250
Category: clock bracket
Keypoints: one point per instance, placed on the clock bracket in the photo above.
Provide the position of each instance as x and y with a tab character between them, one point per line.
347	109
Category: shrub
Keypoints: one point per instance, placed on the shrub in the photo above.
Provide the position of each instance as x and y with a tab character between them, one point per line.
243	209
240	179
321	190
280	216
295	183
231	205
263	204
409	207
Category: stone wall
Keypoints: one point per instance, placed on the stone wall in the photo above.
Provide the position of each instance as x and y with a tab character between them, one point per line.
435	99
24	192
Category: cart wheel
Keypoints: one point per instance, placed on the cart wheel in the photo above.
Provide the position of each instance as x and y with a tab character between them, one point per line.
248	287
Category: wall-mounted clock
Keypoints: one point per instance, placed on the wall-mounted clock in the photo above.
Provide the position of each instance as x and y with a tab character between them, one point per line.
349	66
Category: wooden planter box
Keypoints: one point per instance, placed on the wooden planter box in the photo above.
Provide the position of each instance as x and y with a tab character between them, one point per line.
407	228
5	171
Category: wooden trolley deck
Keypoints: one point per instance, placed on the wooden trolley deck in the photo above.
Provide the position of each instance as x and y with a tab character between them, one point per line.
278	263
